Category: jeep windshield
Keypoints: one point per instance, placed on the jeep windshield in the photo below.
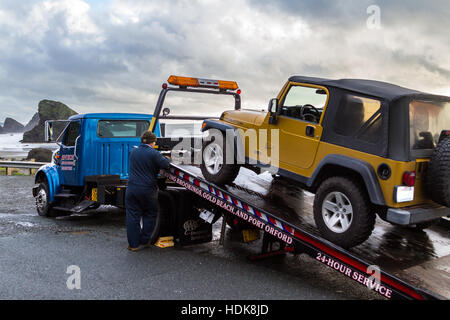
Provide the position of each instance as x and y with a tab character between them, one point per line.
428	119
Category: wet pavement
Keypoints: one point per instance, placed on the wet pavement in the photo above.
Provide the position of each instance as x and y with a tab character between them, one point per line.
419	256
36	252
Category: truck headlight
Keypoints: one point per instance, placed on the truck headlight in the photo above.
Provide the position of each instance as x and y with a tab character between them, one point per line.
55	156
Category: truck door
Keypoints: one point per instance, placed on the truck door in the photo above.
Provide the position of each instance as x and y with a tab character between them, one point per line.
299	124
115	139
70	146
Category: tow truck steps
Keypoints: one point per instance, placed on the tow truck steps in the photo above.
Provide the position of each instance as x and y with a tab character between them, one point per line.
65	195
78	208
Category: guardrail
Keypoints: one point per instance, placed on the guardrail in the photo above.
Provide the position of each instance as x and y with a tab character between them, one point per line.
10	165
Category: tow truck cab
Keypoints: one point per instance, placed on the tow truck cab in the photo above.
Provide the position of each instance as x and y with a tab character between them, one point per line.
91	166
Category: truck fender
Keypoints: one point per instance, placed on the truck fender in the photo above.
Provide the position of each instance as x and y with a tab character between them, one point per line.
215	124
363	168
49	173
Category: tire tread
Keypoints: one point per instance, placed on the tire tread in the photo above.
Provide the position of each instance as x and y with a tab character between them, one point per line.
365	222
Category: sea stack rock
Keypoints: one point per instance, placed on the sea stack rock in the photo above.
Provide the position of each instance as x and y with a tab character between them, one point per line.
48	110
40	155
32	123
12	126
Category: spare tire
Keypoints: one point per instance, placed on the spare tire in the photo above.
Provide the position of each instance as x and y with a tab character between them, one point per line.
438	176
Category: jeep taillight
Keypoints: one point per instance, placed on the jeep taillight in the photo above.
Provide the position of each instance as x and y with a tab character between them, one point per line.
409	178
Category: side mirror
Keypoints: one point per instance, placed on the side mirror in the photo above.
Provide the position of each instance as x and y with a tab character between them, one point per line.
273	110
48	131
54	130
273	105
166	112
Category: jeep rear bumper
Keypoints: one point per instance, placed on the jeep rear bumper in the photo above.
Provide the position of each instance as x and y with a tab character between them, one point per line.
408	216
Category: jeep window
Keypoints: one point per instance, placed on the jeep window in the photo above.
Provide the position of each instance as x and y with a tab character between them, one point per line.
360	117
298	101
71	134
427	119
122	128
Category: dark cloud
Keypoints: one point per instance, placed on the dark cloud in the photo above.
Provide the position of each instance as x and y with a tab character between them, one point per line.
405	59
350	13
115	55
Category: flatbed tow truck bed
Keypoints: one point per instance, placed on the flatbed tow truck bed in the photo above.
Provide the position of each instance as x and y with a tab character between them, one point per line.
398	263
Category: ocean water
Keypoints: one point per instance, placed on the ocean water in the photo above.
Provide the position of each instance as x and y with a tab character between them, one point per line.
12	148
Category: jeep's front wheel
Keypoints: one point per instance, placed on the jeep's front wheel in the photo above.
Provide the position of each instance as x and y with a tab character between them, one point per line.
214	167
342	212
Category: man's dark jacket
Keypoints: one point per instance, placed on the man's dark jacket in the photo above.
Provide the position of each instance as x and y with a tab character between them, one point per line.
145	163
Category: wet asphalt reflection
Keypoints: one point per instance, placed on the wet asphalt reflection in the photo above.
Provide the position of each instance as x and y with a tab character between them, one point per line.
36	252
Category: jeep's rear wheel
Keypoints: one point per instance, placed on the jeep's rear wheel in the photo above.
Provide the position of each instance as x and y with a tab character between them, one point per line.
342	212
337	212
214	167
438	175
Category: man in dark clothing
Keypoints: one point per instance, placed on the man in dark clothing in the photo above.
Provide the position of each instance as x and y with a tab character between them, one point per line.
141	199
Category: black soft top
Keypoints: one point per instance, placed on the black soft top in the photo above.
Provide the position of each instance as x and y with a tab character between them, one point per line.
378	89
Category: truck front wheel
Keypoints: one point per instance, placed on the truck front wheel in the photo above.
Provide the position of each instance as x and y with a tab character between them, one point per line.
43	206
342	212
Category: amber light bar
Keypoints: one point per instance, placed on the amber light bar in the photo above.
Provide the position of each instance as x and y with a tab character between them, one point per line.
202	83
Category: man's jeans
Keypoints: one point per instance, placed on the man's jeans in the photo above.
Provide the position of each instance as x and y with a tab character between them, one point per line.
141	203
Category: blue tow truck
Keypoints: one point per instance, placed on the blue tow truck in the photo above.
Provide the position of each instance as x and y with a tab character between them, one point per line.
91	166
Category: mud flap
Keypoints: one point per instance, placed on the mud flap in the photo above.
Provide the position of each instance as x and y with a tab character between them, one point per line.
83	205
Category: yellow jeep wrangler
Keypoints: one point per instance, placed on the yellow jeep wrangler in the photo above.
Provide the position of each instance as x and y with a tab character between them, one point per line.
363	147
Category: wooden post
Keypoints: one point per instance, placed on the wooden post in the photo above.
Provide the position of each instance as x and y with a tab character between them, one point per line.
8	169
32	170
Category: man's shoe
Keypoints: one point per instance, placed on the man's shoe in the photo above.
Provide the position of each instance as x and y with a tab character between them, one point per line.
132	249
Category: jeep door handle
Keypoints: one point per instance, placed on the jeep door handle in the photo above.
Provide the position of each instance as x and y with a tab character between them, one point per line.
310	131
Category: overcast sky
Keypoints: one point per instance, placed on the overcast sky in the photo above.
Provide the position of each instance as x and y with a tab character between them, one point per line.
113	56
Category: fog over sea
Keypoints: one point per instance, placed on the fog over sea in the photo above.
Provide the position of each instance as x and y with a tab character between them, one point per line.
12	148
